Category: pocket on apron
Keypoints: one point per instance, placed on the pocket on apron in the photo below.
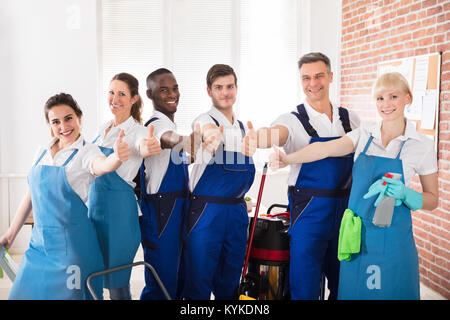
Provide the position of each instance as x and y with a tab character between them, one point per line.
195	211
55	242
164	209
299	204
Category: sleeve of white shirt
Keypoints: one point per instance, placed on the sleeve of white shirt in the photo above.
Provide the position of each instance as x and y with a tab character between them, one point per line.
428	163
203	120
141	134
354	136
355	121
161	127
91	151
286	120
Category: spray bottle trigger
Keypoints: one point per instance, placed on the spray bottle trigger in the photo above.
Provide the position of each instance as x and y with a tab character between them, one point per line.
387	175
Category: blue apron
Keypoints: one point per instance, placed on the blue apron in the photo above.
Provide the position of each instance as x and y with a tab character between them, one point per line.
216	228
113	210
161	226
317	203
63	249
387	266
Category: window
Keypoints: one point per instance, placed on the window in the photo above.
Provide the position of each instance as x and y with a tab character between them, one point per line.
257	38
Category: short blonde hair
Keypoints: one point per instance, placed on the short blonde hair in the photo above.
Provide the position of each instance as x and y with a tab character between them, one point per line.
391	81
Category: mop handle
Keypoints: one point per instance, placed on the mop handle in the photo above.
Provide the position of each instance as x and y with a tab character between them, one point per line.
258	202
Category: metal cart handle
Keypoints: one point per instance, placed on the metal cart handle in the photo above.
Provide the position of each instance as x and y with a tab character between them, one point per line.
100	273
277	205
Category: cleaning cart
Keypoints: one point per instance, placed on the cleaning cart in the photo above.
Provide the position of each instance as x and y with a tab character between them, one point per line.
266	266
267	256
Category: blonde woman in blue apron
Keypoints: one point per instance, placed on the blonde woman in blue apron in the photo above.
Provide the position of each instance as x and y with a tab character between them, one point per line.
386	264
112	202
63	249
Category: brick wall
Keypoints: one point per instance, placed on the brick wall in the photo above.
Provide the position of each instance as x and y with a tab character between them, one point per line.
378	30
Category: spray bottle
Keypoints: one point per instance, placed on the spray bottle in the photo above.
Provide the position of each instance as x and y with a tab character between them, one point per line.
383	213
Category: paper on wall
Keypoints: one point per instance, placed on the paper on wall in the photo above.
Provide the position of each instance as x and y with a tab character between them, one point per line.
414	110
429	102
420	74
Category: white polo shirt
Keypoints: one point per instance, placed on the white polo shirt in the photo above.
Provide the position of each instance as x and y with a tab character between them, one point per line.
134	133
299	138
418	154
232	139
156	166
79	170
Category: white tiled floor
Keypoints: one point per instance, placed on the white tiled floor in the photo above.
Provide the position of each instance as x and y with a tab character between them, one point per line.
137	283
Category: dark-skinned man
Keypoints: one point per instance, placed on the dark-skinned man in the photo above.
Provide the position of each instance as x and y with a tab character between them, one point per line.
164	187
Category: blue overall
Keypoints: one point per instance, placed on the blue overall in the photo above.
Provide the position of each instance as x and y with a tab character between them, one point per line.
161	226
114	212
387	265
63	249
216	228
317	203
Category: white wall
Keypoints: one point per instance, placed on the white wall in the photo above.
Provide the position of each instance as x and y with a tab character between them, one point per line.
48	46
321	31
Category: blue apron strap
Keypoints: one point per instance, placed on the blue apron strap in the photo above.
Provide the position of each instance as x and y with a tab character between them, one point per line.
150	121
241	125
40	157
140	188
400	151
302	116
142	179
218	125
215	121
367	145
345	119
70	157
93	141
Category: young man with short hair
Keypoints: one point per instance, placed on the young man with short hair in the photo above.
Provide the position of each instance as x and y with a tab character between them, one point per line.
164	187
217	219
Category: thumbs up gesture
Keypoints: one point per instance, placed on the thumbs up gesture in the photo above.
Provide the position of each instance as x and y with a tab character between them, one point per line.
121	148
151	144
277	159
195	139
212	139
249	143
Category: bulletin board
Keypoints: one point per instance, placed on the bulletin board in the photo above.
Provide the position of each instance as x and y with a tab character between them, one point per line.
423	75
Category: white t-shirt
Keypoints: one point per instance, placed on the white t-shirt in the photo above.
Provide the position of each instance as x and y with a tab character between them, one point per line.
134	133
79	170
299	138
418	154
232	139
156	166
